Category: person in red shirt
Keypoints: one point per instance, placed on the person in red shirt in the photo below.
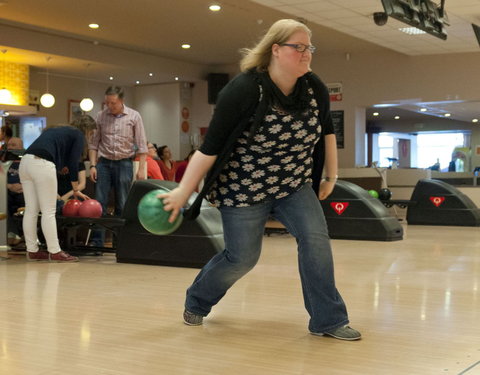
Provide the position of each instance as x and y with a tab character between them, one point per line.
168	166
153	169
181	166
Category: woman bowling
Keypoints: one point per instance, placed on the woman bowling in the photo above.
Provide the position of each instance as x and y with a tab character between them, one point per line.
261	151
54	149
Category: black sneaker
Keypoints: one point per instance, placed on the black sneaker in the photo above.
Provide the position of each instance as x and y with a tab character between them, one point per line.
341	333
191	319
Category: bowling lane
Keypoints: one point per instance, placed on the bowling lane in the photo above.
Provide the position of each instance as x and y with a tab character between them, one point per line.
416	302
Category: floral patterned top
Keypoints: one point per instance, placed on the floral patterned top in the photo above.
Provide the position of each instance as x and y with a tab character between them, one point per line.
277	162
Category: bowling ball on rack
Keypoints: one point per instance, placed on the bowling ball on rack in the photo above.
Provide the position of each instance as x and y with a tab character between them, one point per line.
90	208
373	193
384	194
71	207
153	217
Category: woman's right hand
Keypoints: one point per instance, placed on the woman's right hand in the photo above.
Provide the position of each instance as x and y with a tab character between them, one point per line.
79	194
174	202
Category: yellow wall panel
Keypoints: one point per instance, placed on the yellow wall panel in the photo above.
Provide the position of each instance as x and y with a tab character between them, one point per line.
15	78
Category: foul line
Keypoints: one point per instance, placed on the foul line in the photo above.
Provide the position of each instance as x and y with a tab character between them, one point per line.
469	368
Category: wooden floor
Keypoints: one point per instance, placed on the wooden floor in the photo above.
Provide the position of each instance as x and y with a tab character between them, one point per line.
416	302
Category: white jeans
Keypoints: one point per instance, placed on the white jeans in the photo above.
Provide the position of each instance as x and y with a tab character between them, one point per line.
39	182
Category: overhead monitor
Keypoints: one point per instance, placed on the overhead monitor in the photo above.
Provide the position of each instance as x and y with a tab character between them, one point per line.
422	14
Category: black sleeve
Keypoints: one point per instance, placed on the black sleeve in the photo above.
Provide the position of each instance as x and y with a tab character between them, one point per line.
74	155
323	101
234	102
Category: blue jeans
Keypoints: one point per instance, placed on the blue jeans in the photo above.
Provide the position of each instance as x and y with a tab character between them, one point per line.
116	174
302	215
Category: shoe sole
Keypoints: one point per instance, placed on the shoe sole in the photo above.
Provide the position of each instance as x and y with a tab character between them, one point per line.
192	324
37	260
337	337
63	261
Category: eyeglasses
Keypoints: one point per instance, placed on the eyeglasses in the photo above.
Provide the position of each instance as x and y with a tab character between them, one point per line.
300	47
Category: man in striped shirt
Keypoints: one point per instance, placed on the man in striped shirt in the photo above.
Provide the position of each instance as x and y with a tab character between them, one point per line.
120	136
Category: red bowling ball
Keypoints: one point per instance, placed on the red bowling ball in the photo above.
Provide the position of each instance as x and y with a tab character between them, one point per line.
90	208
71	207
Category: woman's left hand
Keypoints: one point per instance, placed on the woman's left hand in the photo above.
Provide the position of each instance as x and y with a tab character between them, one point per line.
79	194
326	188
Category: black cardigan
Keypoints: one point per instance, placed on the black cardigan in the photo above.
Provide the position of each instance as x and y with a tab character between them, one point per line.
238	101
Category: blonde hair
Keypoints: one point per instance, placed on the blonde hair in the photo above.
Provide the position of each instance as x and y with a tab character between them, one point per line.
259	56
84	123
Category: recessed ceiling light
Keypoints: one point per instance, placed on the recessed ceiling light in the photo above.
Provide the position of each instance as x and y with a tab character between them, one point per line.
376	113
475	120
214	7
423	110
411	31
176	78
397	117
186	46
94	26
384	105
110	78
447	114
150	74
137	82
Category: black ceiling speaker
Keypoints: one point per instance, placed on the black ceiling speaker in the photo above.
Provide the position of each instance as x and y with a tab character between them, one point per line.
476	30
216	82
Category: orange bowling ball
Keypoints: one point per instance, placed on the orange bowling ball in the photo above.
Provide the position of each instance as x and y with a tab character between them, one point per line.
90	208
71	207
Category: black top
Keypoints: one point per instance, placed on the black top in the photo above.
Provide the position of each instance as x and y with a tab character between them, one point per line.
276	163
242	105
63	146
238	100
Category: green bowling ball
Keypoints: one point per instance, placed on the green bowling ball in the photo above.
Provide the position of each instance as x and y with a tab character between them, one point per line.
373	193
153	217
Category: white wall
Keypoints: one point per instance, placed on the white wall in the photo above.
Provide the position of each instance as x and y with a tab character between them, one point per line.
368	78
161	110
159	106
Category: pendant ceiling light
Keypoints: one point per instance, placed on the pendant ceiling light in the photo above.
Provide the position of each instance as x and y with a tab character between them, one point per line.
86	104
47	100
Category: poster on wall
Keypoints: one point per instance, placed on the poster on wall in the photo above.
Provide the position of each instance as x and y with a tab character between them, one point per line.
74	110
338	125
335	90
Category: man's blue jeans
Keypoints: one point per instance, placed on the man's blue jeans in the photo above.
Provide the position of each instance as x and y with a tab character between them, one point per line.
302	215
116	174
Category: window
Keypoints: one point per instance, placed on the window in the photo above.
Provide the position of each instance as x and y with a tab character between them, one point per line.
439	146
385	149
